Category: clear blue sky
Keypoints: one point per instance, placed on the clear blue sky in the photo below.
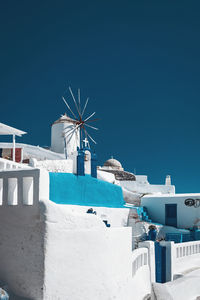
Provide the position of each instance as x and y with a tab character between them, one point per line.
138	61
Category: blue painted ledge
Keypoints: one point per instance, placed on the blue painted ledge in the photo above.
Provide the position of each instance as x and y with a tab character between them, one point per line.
66	188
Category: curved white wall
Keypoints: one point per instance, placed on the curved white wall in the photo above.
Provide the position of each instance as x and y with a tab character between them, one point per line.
58	140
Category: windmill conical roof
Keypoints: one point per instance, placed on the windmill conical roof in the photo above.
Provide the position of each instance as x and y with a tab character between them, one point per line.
64	118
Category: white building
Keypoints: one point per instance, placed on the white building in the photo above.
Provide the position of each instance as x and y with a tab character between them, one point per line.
58	251
178	210
135	183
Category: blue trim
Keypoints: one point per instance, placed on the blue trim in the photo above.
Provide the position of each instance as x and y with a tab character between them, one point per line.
81	163
94	165
87	148
160	259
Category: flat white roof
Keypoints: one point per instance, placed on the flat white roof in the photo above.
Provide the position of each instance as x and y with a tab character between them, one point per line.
8	130
189	195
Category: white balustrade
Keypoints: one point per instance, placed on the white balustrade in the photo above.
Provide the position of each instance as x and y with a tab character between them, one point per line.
16	188
6	164
140	259
181	257
187	249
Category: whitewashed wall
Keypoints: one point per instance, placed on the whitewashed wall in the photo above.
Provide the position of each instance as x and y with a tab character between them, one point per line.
22	231
186	216
55	165
48	251
97	263
147	188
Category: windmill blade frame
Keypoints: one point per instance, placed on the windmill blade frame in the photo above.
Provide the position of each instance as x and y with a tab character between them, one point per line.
68	107
86	102
91	126
90	116
74	101
79	122
91	138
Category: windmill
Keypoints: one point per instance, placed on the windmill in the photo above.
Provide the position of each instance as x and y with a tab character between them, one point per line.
80	126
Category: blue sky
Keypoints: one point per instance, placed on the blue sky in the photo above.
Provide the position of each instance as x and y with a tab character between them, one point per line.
139	63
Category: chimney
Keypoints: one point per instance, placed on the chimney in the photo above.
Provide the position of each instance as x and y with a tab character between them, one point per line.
168	180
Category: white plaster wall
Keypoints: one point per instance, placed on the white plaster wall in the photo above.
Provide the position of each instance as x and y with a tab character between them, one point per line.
109	177
116	217
92	264
87	264
145	188
186	216
64	165
51	251
22	239
86	260
142	179
185	288
132	198
57	138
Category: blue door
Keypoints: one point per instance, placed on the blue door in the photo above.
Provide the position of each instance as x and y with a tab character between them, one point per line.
171	215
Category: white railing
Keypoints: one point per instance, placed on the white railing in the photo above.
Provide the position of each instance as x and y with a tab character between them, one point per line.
181	257
19	187
140	259
6	164
187	249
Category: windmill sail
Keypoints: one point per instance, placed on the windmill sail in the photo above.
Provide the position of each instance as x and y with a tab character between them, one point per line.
78	130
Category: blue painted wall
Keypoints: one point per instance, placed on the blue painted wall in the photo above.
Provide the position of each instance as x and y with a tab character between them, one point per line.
66	188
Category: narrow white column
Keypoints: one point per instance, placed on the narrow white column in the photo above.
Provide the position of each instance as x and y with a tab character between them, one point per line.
28	190
13	147
12	191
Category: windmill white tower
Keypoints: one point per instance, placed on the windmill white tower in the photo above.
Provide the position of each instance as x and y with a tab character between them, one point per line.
59	142
68	133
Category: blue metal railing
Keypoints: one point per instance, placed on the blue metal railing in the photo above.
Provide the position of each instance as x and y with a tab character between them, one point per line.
193	235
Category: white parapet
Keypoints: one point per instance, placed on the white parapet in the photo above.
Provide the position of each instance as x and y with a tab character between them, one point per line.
23	186
151	257
140	259
6	164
